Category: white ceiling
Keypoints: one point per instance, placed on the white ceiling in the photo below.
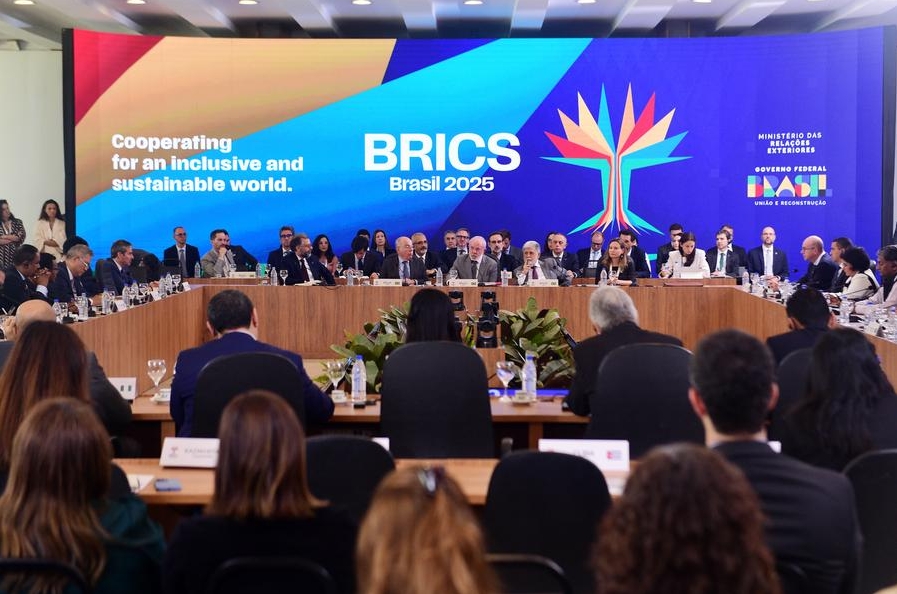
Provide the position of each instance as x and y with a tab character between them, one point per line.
39	26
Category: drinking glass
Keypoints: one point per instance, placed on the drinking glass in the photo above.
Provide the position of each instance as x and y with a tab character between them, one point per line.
453	274
339	268
155	369
175	282
506	370
283	274
335	371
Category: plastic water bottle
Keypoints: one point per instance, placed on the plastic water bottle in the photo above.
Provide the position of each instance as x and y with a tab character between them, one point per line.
602	280
745	282
350	277
259	272
83	307
273	274
359	380
529	375
677	270
57	309
439	279
197	270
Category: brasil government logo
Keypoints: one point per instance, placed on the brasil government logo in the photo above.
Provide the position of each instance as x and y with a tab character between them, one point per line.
641	143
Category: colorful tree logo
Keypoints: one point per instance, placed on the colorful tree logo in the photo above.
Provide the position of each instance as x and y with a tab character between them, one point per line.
641	143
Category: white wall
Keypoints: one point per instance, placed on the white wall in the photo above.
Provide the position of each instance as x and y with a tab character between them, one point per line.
31	151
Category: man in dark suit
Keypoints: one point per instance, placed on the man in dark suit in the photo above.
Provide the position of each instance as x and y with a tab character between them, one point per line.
448	255
808	318
67	285
839	244
302	269
561	256
663	252
115	272
496	251
360	259
739	251
766	259
510	250
820	268
721	258
810	512
25	279
614	316
181	254
113	410
421	252
636	254
275	257
404	265
233	322
589	258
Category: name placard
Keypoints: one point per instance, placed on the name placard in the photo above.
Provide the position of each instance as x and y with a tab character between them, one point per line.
872	328
387	282
542	282
243	274
606	454
462	282
186	286
119	304
189	452
126	386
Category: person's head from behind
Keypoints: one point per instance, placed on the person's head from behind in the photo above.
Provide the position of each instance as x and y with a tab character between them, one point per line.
688	521
807	308
230	310
261	470
33	310
611	306
732	384
47	360
420	536
60	467
431	317
844	384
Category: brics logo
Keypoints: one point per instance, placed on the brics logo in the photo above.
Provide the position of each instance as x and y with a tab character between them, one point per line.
803	186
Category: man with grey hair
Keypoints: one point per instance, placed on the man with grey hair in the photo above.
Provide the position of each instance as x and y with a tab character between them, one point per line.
67	284
474	264
615	319
533	268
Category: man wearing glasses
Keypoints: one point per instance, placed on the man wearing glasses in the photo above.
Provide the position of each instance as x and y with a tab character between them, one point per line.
462	236
181	254
67	284
275	257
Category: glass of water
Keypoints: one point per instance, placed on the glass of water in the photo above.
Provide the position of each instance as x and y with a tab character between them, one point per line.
155	369
505	370
283	275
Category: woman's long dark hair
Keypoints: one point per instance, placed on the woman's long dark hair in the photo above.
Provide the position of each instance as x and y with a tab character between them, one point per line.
431	317
316	251
689	259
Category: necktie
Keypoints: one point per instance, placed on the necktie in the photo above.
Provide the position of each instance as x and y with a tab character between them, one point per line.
359	263
405	273
534	272
722	261
182	261
473	268
303	271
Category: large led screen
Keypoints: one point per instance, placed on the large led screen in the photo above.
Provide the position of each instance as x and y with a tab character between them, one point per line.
533	135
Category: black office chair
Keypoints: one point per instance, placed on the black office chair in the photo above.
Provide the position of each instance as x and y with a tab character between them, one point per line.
132	559
271	575
529	574
435	402
548	504
874	479
224	378
30	569
791	375
642	396
792	578
345	470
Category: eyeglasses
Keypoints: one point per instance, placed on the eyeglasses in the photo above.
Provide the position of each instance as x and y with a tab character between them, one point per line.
86	265
285	235
462	236
180	234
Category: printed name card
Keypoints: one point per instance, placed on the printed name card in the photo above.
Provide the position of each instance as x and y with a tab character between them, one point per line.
185	285
606	454
872	328
542	282
189	452
462	282
126	386
387	282
243	274
119	304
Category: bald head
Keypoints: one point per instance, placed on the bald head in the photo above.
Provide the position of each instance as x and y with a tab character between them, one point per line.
812	248
33	310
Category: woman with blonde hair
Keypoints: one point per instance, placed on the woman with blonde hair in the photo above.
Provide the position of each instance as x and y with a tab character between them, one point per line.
688	523
619	268
262	506
420	536
55	507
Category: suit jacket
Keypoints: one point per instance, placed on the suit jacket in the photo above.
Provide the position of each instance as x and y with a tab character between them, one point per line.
838	282
782	345
113	410
582	257
811	514
820	276
627	273
390	268
487	271
113	278
243	259
741	253
568	261
640	260
516	253
779	262
370	263
191	257
731	265
663	252
505	261
431	260
589	354
296	275
448	256
549	269
61	288
17	290
318	407
276	257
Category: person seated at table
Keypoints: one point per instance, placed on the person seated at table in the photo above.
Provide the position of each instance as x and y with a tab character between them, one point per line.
223	253
687	521
301	268
261	505
232	320
689	260
360	259
431	316
421	537
663	252
381	244
56	505
821	270
276	256
860	282
88	279
615	319
636	255
616	264
25	280
402	264
808	318
884	297
67	284
839	245
115	272
475	264
849	406
323	251
535	268
590	257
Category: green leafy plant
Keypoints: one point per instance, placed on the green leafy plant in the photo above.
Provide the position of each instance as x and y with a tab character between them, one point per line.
541	331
